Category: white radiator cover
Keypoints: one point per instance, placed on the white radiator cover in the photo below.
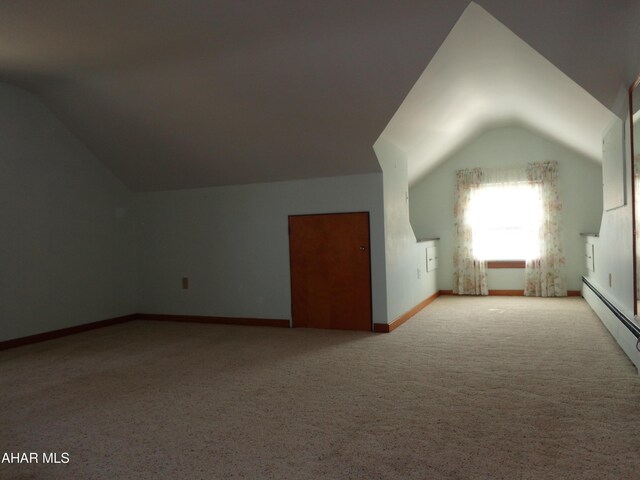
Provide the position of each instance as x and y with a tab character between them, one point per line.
617	329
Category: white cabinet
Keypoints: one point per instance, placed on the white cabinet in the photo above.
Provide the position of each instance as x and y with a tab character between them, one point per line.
432	258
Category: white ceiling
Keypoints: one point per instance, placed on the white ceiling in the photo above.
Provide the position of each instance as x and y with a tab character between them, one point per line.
484	76
190	93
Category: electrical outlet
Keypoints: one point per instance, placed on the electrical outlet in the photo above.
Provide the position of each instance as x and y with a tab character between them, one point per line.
185	283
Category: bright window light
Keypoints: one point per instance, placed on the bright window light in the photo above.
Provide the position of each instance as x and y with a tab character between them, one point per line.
505	220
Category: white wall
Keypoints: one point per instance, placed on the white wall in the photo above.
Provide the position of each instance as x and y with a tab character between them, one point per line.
408	282
614	256
233	244
65	255
614	245
614	248
580	185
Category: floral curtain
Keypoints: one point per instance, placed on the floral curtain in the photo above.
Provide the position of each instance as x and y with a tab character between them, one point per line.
544	276
469	274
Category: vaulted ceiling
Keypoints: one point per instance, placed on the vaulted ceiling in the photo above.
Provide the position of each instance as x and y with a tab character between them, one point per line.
188	93
485	76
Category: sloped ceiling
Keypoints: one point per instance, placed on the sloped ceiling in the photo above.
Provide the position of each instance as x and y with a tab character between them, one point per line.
482	76
187	93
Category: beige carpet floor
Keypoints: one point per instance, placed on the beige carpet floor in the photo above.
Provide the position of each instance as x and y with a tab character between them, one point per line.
470	388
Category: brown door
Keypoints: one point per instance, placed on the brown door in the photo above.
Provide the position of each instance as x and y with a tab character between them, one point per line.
330	271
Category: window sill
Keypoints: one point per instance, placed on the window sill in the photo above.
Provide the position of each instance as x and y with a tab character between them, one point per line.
505	264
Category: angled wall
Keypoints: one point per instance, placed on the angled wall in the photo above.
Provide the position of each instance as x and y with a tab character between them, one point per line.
408	282
613	258
614	255
78	247
65	252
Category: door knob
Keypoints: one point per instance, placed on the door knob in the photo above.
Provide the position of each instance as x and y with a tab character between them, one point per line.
361	248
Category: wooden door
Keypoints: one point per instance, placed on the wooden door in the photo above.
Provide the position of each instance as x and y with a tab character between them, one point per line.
330	271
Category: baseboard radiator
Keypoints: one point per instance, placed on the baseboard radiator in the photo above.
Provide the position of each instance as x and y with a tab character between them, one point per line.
622	329
632	327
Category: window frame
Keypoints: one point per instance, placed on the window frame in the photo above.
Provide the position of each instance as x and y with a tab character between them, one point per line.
506	264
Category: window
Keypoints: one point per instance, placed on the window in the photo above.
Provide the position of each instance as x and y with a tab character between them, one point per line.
505	221
508	216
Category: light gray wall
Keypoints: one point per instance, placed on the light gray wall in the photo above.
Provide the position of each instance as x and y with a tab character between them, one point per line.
408	282
580	185
233	244
614	246
65	252
613	258
78	247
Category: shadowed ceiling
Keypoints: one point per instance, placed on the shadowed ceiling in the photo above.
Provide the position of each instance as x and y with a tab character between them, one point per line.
190	93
